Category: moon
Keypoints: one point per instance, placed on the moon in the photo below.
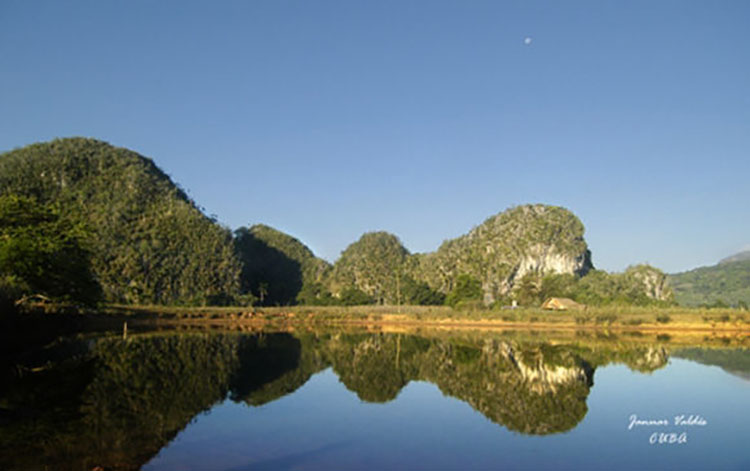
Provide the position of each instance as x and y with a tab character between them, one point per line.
527	40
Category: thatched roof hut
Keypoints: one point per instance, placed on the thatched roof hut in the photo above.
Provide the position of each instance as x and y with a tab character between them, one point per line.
562	304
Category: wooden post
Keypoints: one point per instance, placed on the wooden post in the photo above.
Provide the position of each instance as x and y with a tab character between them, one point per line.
125	331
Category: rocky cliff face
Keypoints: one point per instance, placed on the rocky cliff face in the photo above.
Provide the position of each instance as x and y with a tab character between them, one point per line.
526	239
544	259
654	281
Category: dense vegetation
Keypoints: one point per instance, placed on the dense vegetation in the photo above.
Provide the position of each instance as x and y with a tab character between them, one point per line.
149	243
738	257
42	254
640	285
137	238
535	239
722	285
278	269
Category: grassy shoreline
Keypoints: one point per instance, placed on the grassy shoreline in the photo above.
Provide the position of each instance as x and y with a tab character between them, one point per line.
687	327
611	318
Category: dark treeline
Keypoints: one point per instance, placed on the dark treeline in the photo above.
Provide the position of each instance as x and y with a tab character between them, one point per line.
84	222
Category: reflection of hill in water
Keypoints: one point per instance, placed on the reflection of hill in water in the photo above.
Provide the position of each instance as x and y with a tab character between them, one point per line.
537	390
118	404
115	403
734	361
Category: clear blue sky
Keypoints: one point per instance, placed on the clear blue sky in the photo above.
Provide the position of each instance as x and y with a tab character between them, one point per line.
329	119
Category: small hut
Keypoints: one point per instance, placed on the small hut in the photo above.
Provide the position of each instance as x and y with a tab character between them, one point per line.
562	304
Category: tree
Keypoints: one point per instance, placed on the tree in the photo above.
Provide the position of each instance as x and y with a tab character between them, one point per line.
419	293
315	294
355	297
467	288
42	253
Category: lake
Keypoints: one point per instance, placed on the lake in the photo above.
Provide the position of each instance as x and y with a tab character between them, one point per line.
200	400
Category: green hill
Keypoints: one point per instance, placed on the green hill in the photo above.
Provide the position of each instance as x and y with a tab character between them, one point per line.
147	243
527	253
530	239
738	257
372	265
150	243
727	283
276	266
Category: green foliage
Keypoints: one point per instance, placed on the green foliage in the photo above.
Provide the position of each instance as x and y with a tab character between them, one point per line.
728	282
738	257
352	296
150	243
114	404
641	285
374	264
718	304
467	288
606	319
557	285
316	294
493	251
40	253
277	268
419	293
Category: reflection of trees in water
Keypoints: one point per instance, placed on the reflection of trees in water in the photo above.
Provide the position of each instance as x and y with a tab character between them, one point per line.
116	403
538	390
119	404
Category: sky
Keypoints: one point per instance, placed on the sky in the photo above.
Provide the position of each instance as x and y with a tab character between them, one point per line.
328	119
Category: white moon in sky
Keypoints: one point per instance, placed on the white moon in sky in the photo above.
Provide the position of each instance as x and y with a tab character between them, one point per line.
527	41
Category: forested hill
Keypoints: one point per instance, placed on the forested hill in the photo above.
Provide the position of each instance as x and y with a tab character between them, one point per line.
738	257
721	285
138	239
150	243
276	267
525	240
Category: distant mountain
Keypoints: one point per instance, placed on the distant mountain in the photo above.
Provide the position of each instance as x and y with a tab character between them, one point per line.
151	244
738	257
727	283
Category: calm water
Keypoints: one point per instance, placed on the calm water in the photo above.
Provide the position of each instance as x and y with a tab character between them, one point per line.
320	400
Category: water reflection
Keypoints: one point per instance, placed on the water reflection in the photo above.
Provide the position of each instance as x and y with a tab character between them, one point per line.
82	403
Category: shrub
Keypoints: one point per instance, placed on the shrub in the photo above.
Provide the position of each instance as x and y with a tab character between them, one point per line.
467	288
606	319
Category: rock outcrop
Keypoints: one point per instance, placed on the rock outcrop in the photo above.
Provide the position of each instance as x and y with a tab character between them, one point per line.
536	239
654	281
